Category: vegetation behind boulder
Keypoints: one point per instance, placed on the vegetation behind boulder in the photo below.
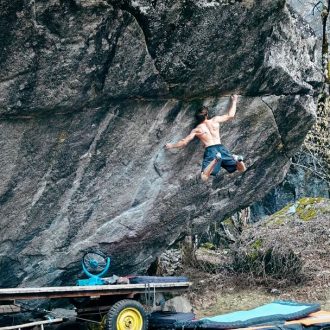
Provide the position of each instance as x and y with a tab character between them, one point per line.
292	245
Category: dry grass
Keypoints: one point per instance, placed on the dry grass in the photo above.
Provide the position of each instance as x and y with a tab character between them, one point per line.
292	246
285	257
226	291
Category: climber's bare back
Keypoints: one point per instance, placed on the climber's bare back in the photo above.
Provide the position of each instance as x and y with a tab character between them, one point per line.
216	155
208	129
208	132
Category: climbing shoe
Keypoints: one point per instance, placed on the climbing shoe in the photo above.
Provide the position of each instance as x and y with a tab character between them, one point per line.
238	158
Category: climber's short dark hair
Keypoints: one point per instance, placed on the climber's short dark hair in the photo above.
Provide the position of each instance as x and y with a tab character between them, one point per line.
201	114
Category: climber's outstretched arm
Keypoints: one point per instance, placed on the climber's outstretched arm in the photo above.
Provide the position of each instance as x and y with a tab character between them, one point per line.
182	143
231	111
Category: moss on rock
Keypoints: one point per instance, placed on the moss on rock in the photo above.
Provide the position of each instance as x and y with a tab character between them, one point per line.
308	207
283	245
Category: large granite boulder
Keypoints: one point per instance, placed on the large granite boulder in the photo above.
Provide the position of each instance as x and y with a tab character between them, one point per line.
309	173
315	15
90	91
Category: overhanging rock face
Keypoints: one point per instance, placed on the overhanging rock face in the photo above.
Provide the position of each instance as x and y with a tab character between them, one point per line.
90	91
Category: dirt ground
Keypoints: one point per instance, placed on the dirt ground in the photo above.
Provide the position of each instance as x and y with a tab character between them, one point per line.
284	257
213	294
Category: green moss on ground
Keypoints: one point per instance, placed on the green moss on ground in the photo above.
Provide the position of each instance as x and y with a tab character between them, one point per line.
309	200
283	211
308	208
279	217
208	246
257	244
306	214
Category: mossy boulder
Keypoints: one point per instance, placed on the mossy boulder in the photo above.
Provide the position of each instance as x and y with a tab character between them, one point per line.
292	244
308	208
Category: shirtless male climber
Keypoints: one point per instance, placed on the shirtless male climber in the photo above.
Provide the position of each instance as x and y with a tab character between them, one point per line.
216	155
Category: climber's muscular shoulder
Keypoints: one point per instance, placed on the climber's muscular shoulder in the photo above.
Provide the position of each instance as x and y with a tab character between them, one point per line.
208	132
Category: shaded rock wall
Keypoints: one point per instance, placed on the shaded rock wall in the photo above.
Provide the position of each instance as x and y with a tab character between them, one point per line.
309	174
90	91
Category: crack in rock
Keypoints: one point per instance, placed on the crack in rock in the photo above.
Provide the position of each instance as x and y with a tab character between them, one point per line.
275	121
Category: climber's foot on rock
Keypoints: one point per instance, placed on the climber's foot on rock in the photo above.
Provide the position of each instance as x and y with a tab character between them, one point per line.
238	158
239	163
204	177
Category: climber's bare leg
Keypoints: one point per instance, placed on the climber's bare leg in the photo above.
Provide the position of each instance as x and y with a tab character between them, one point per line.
208	170
240	166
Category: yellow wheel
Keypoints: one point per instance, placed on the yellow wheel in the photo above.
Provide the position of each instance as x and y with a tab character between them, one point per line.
127	314
129	319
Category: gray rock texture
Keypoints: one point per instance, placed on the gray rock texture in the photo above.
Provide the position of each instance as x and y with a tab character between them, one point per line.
309	172
178	304
313	14
90	91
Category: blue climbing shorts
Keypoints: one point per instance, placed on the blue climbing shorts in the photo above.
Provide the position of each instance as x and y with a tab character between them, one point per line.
227	161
